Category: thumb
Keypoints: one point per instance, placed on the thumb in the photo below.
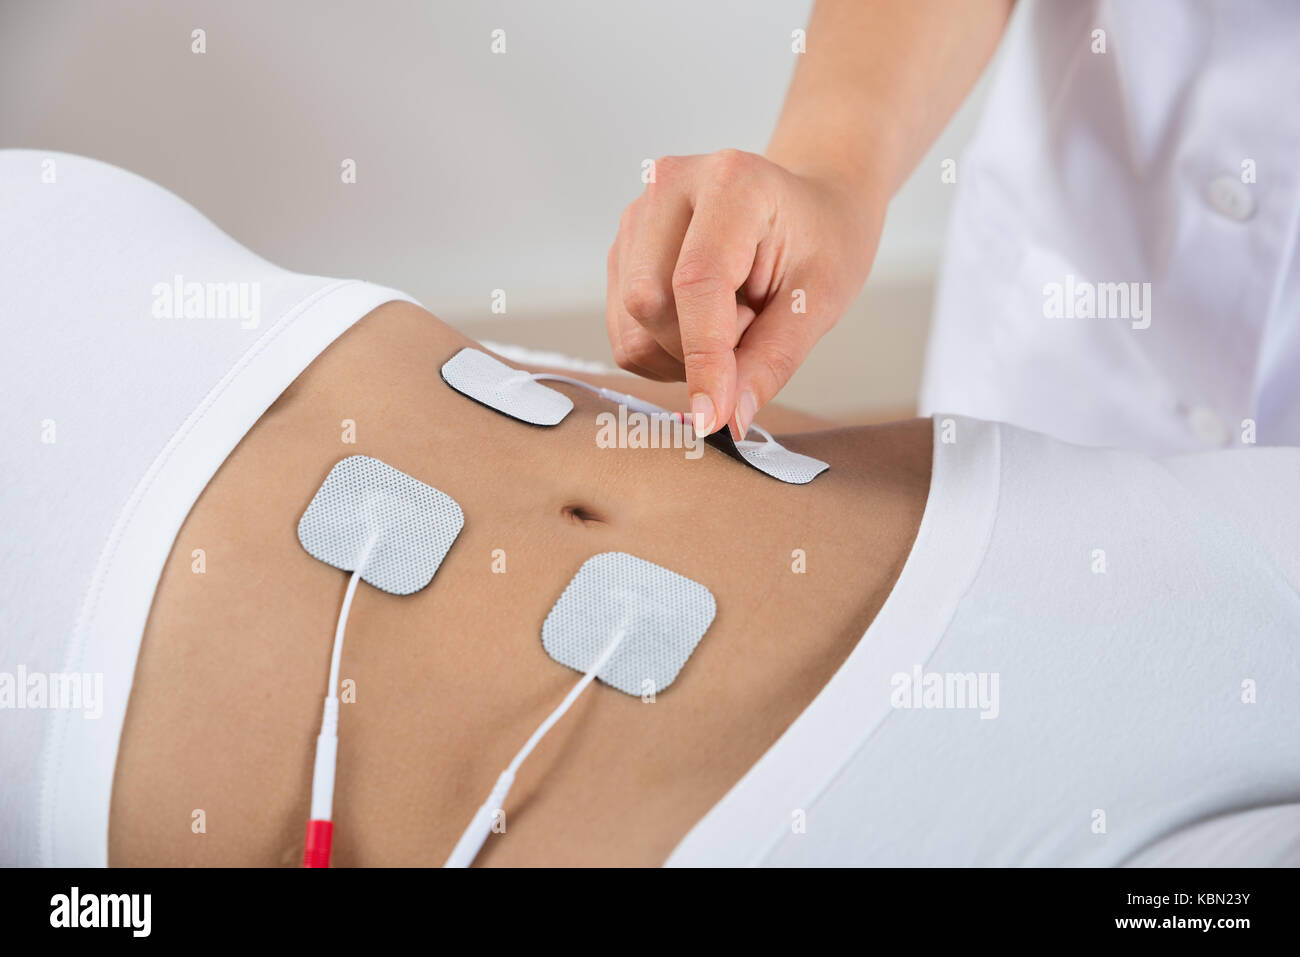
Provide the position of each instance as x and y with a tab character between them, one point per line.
773	347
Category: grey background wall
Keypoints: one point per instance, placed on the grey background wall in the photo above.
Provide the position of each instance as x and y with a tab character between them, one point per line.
475	171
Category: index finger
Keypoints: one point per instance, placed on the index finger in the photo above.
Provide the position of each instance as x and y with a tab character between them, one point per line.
716	258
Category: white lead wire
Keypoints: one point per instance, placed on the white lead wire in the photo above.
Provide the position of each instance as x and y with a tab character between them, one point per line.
471	842
618	398
622	398
327	742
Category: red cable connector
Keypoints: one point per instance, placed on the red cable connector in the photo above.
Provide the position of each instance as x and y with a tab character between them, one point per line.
316	850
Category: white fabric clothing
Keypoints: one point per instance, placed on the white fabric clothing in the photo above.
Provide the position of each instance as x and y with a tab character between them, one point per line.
122	400
1130	143
1142	619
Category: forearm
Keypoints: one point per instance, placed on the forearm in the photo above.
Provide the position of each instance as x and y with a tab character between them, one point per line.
879	81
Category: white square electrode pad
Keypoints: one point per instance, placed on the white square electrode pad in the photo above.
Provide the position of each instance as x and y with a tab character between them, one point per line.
662	616
770	457
407	525
510	391
776	460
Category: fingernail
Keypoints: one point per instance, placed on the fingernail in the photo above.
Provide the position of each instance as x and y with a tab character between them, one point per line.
745	410
702	410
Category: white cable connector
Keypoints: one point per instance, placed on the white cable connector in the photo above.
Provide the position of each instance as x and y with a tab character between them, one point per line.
618	398
633	403
327	750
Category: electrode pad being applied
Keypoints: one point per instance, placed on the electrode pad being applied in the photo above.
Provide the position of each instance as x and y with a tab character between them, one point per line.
662	617
412	525
769	457
511	392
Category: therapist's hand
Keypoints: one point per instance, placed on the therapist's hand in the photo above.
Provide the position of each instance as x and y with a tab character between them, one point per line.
727	270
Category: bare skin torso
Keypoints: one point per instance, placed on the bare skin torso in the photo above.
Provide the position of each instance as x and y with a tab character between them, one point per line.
449	682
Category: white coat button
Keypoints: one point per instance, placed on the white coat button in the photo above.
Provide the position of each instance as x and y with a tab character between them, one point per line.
1231	197
1208	425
